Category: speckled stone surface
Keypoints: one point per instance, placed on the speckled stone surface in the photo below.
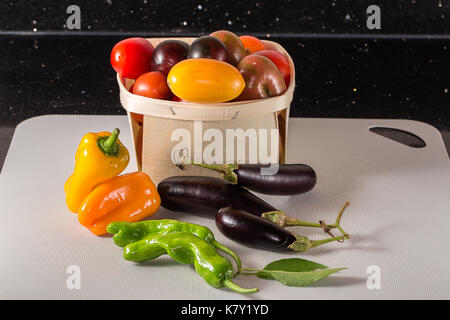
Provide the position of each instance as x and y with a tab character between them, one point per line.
286	16
342	71
335	78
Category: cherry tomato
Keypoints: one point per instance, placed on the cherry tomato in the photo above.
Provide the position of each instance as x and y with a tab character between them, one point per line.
175	98
132	57
252	44
167	54
280	60
235	48
137	117
152	85
208	47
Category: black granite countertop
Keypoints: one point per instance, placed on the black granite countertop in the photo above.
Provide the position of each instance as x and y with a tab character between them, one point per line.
241	16
335	77
343	69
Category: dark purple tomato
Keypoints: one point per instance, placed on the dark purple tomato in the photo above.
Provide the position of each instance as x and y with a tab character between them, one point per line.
235	48
208	47
167	54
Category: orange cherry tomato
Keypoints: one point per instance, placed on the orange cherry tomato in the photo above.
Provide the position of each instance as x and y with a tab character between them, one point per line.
252	44
137	117
205	81
152	85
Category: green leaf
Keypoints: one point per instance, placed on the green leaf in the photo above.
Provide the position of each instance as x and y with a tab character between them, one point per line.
301	279
295	272
290	265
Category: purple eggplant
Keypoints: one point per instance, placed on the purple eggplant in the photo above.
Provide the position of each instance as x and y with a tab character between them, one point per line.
277	179
257	232
206	195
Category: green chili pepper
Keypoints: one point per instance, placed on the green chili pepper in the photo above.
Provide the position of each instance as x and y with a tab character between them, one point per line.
126	233
187	248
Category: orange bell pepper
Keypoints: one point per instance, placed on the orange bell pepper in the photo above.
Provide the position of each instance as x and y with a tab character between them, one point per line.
130	197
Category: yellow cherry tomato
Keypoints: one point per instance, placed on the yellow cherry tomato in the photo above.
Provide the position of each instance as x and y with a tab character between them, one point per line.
205	80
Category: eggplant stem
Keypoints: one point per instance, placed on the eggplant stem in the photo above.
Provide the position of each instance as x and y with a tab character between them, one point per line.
303	244
280	218
227	170
316	243
338	220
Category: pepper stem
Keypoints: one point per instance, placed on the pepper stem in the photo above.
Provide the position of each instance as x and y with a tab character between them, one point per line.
227	170
230	253
109	145
235	287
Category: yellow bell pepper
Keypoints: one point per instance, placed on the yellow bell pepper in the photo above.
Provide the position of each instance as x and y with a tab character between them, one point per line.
99	157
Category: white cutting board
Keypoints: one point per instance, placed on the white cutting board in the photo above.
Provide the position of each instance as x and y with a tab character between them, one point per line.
399	218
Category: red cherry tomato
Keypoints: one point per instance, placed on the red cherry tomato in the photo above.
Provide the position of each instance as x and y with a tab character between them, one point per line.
280	60
132	57
152	85
175	98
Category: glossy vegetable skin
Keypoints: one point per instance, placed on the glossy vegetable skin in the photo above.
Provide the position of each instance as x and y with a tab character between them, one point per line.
205	81
260	233
235	48
280	60
252	230
252	44
206	195
208	47
152	85
126	233
262	78
277	179
167	54
131	57
99	157
186	248
130	197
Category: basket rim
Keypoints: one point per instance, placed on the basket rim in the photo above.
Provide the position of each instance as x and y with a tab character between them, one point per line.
130	101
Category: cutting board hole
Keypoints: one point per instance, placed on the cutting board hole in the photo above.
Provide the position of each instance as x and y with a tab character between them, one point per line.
404	137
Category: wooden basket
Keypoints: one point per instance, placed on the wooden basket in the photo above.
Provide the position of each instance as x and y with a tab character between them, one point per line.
152	140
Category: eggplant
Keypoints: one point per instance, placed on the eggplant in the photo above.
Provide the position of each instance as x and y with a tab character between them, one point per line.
260	233
284	179
206	195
